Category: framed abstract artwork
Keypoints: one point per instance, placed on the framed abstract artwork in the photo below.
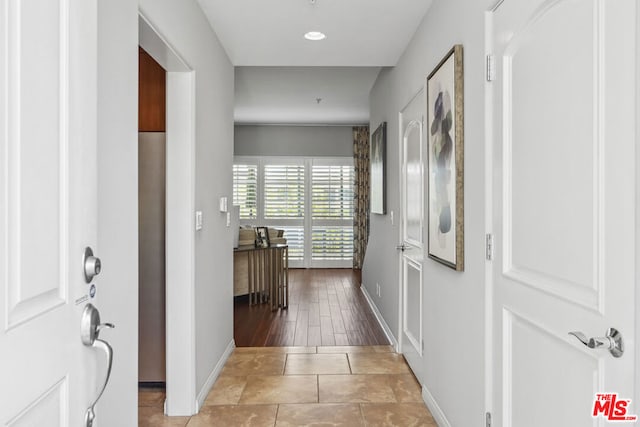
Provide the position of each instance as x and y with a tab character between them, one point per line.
445	143
378	169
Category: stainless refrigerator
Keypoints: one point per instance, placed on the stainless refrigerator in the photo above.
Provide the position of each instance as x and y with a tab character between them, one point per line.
151	256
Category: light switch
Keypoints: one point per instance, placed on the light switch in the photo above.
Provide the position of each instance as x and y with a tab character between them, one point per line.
198	220
223	204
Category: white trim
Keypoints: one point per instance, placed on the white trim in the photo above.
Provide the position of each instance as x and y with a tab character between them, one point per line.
180	264
157	46
488	212
380	319
496	6
398	217
435	410
180	204
401	221
213	376
319	124
636	405
416	342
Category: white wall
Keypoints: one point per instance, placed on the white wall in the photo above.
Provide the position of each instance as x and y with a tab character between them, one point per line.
453	302
118	204
184	26
307	141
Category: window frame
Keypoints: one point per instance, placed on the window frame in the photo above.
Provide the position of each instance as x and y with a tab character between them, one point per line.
307	222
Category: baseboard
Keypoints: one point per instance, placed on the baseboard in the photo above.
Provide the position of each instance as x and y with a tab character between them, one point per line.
435	410
208	385
381	321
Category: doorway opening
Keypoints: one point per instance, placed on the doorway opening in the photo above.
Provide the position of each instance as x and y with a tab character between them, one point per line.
179	147
152	80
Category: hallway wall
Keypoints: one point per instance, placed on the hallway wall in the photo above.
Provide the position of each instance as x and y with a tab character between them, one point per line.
185	28
453	301
309	141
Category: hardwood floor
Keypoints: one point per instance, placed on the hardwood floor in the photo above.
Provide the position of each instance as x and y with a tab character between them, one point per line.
326	308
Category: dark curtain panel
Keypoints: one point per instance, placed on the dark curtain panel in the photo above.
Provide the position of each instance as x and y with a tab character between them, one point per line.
361	187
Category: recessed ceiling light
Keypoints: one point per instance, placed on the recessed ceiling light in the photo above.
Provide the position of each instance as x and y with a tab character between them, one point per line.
315	36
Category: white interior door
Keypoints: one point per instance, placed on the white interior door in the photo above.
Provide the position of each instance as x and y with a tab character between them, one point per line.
412	219
47	209
564	103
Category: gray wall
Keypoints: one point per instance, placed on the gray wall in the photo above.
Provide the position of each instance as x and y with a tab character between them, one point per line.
453	302
311	141
185	28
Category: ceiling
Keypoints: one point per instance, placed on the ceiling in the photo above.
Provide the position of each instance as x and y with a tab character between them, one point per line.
261	35
289	95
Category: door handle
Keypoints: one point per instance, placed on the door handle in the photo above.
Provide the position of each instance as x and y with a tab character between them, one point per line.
90	415
612	341
401	247
90	330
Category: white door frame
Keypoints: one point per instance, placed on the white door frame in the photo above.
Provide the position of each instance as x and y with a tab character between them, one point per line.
180	205
399	334
399	217
636	398
400	340
488	209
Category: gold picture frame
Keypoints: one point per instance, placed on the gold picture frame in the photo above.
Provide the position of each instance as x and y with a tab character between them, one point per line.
378	165
445	165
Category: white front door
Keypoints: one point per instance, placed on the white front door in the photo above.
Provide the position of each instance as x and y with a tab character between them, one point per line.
47	209
564	209
411	224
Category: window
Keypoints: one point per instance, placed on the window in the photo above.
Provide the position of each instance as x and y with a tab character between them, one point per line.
332	191
295	240
245	189
332	244
310	199
283	191
332	213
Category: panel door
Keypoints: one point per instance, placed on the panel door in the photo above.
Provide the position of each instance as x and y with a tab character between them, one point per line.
563	206
412	219
47	209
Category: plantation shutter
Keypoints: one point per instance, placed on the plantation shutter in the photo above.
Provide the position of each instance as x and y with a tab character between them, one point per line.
311	199
245	189
332	213
283	191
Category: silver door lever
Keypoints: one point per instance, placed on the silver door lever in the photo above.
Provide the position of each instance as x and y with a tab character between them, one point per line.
612	341
90	327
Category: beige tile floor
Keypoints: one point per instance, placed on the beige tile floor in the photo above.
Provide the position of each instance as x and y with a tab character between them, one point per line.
304	386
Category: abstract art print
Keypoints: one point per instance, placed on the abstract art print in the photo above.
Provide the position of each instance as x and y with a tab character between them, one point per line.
446	160
378	169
